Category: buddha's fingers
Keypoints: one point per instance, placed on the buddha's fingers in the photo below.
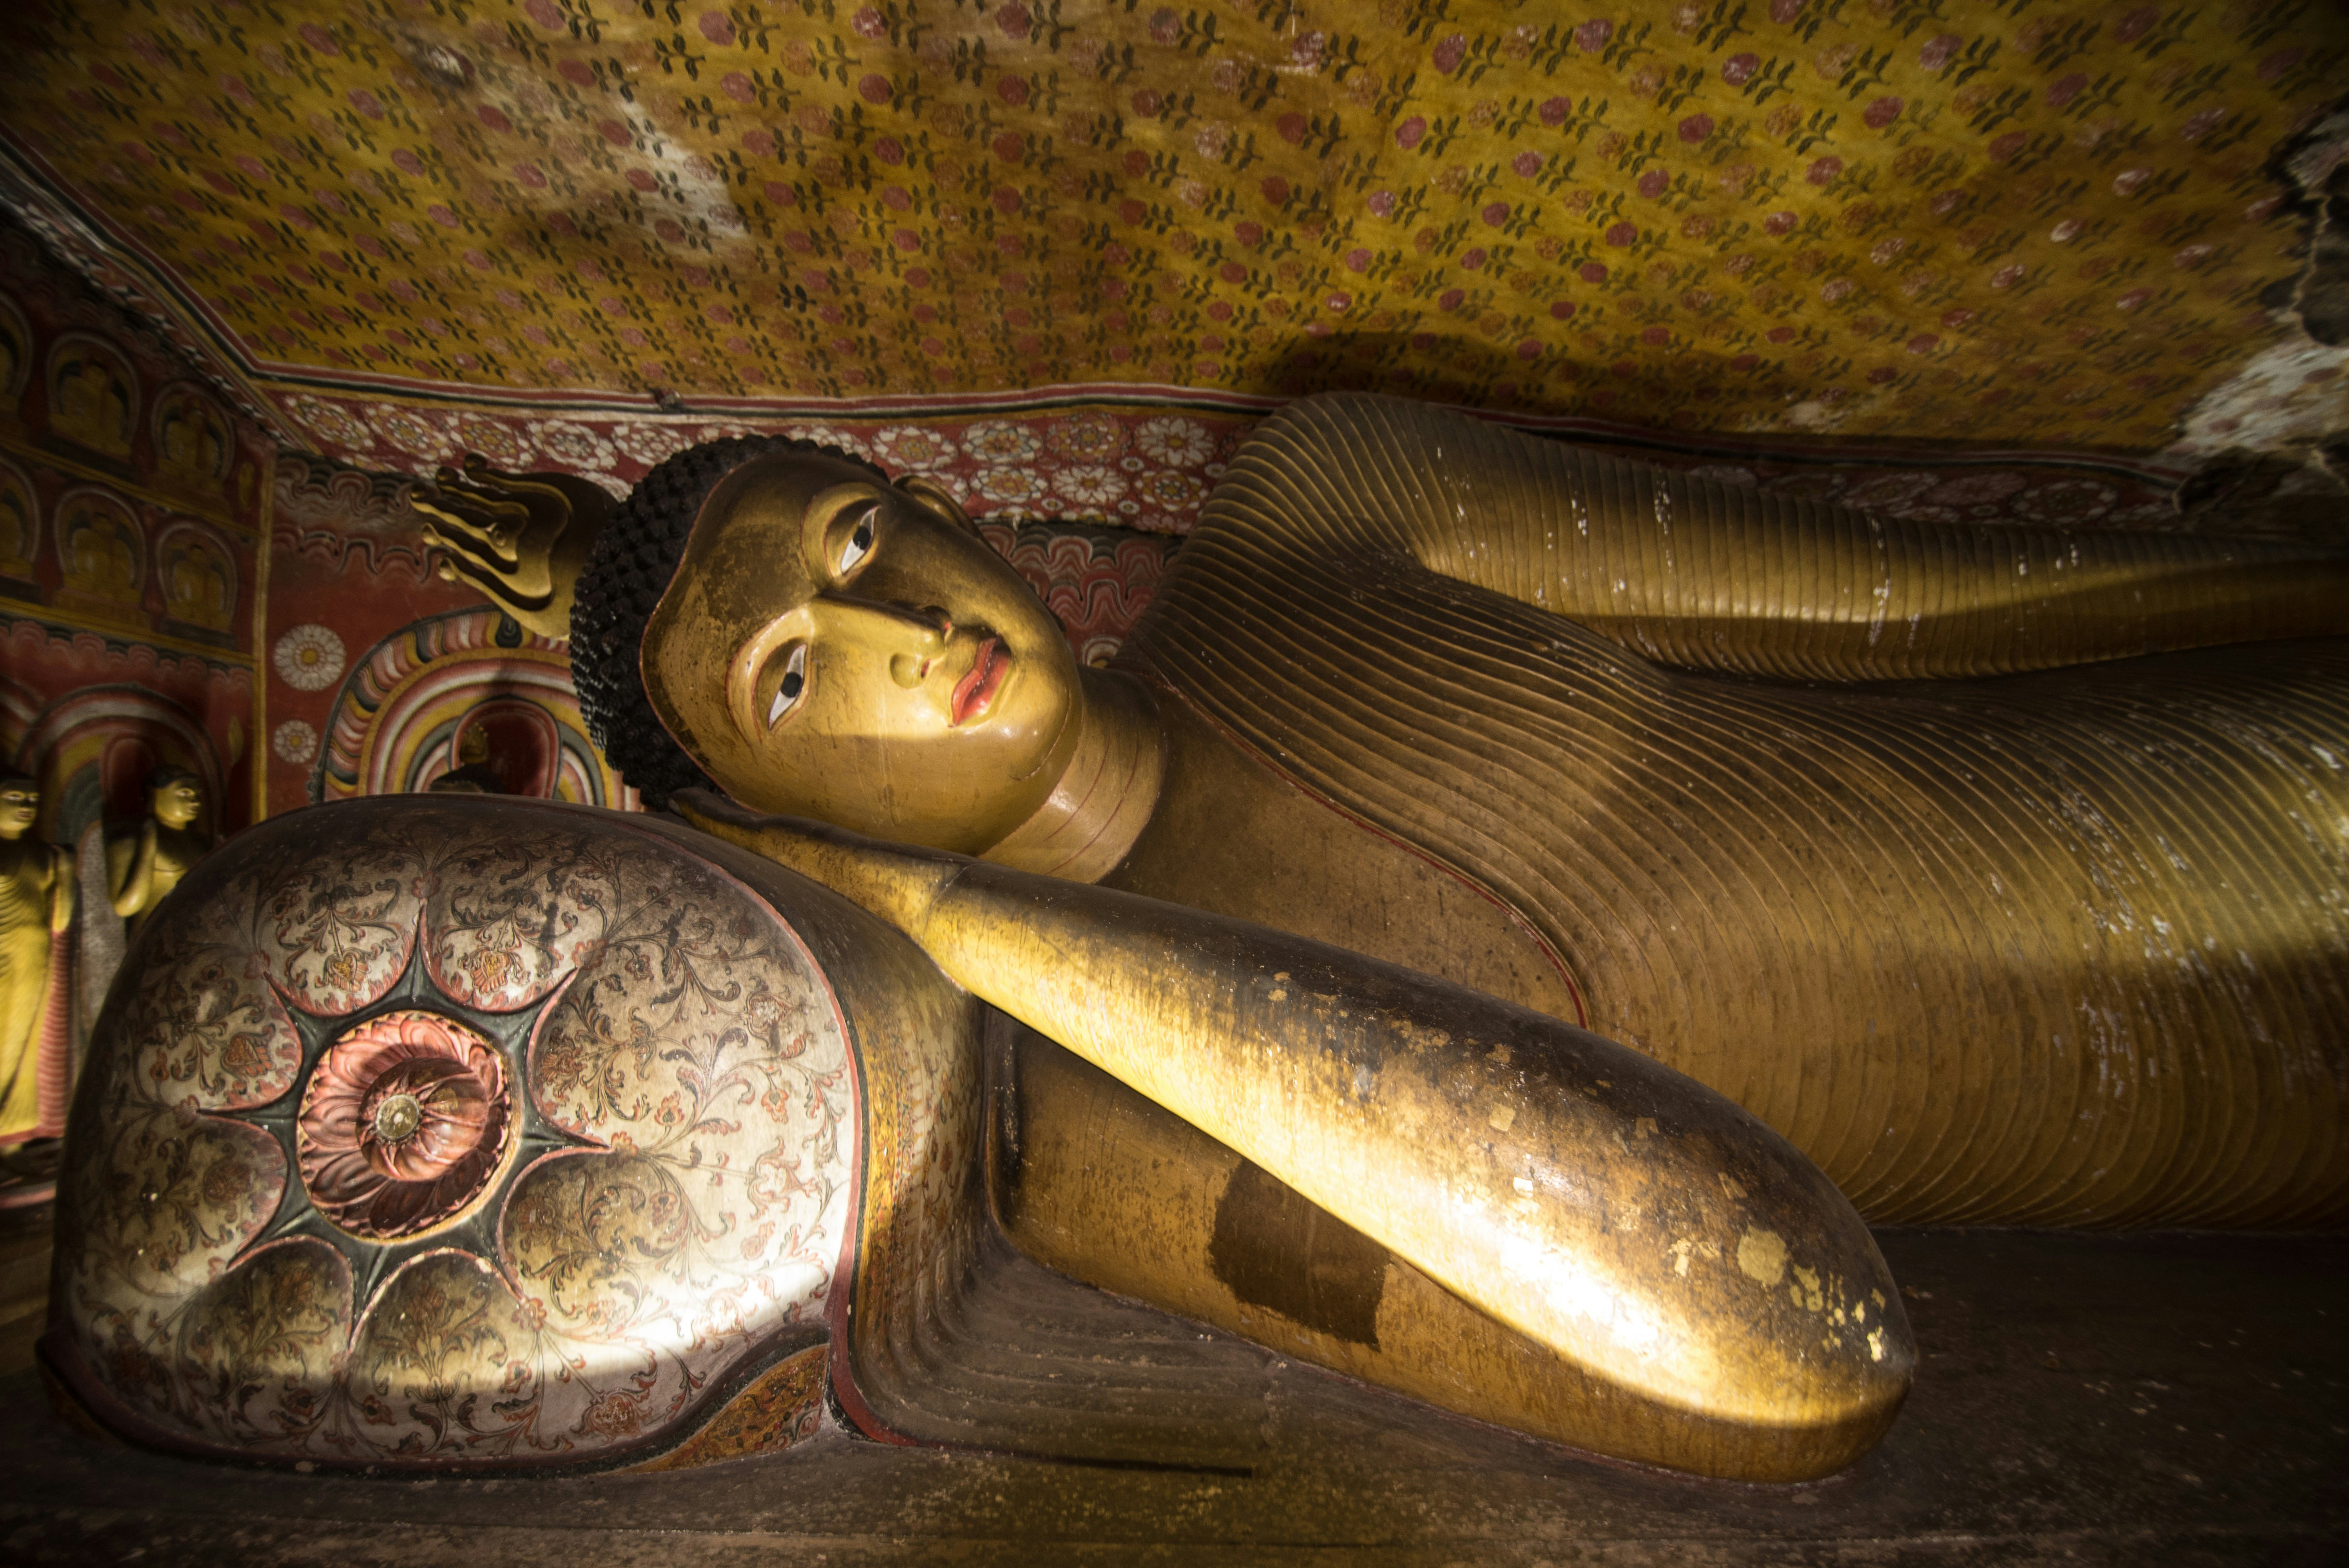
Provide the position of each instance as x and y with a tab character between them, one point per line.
1633	1221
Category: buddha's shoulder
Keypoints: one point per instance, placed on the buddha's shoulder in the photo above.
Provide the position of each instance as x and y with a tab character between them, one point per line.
1235	834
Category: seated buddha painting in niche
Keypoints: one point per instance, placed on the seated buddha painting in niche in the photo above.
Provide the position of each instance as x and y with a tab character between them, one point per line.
20	527
199	579
93	397
1992	865
192	446
102	550
15	357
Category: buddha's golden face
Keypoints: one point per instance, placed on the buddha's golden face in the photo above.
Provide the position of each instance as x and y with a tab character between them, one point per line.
177	804
835	647
19	804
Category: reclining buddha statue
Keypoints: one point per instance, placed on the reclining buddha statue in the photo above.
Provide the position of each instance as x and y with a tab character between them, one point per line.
1264	976
2001	868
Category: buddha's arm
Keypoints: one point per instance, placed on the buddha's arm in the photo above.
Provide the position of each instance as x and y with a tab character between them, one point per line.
1695	573
1633	1221
130	871
63	893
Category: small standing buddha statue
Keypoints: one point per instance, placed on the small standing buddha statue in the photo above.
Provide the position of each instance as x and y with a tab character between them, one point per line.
37	907
476	773
141	869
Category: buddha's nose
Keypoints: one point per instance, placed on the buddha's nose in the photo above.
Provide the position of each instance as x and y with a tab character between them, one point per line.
909	637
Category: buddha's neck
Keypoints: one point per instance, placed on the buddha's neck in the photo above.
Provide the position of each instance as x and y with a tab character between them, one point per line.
1106	793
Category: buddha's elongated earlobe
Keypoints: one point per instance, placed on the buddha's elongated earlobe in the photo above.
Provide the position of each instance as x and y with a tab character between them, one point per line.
938	498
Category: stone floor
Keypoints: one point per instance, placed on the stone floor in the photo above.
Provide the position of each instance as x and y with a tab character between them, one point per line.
2140	1400
24	1285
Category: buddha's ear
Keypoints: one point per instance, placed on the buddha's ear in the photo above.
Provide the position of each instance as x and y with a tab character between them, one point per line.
938	498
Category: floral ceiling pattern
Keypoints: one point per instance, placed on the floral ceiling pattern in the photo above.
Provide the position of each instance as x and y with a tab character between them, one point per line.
2012	223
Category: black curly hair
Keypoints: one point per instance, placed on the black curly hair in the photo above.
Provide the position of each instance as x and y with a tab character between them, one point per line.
626	572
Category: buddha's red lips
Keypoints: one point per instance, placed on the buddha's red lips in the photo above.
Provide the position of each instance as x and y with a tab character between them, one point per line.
979	685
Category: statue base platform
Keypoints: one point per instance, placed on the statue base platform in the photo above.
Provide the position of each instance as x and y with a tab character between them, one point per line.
2082	1398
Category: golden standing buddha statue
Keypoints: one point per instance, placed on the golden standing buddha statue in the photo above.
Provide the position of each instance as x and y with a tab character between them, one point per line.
143	867
474	773
37	909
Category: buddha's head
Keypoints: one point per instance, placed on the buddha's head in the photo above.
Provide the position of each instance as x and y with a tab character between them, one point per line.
175	795
20	803
822	642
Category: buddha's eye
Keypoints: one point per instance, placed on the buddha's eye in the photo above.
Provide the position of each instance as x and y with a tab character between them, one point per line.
789	690
860	541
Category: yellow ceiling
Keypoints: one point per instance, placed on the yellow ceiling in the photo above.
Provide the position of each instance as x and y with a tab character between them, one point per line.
2013	223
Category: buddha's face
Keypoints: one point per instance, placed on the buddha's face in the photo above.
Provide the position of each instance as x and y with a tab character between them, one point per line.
19	804
178	803
835	647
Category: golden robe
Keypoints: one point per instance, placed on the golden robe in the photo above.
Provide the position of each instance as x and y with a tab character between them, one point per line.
33	993
2064	947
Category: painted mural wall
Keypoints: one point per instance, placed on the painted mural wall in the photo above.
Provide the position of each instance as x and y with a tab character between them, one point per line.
383	675
133	505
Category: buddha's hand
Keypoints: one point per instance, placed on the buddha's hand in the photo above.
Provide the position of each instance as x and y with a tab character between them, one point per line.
899	882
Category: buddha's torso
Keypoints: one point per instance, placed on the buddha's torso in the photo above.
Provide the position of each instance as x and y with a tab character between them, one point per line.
28	880
2038	948
1232	835
29	871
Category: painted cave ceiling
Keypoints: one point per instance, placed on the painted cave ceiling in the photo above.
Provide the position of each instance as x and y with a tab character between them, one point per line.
2017	223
